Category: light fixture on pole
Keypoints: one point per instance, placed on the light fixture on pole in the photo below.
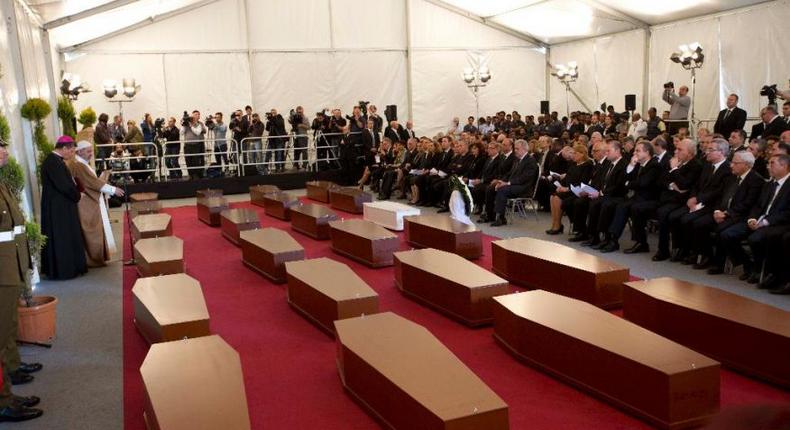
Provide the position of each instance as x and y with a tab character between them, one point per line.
567	74
71	86
475	79
691	58
128	87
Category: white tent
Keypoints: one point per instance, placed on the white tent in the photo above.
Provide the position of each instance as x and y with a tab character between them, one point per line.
218	55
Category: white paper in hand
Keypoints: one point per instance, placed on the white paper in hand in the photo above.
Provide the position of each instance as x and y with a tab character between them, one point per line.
557	184
585	188
576	190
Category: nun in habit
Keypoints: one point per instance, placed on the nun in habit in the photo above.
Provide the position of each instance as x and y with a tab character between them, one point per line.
94	219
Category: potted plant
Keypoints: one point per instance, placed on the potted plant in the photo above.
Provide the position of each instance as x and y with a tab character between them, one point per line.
87	118
37	314
67	116
36	110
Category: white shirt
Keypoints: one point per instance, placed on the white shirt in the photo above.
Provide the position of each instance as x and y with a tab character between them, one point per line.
717	165
638	129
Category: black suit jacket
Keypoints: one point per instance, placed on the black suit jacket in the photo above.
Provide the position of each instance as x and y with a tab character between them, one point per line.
506	165
738	200
443	160
614	182
780	210
775	128
491	168
664	163
644	180
406	134
524	172
393	135
710	185
735	121
593	128
599	172
684	177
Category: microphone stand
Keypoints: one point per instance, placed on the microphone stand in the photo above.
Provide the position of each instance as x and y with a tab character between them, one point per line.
131	261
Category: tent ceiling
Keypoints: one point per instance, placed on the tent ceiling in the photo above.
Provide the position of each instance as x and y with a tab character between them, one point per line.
550	21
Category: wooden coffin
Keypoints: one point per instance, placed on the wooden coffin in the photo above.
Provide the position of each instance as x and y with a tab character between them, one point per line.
143	197
258	191
363	241
319	190
388	214
324	290
209	209
743	334
348	199
647	375
144	208
234	221
449	283
442	232
209	192
266	251
151	225
312	220
159	256
279	205
560	269
170	307
194	384
408	379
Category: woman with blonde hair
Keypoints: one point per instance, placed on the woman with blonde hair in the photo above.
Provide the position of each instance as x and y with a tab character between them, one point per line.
579	171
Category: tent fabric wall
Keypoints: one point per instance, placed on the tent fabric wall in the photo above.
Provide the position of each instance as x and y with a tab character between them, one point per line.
609	68
285	24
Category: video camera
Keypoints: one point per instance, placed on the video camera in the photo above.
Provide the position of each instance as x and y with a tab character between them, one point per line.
186	120
363	106
210	124
295	118
770	92
669	85
159	125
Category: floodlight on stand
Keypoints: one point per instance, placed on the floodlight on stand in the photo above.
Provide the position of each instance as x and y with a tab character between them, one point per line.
130	87
71	86
110	88
690	57
476	78
567	73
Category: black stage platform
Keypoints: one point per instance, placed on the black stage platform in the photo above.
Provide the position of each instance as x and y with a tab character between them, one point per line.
232	185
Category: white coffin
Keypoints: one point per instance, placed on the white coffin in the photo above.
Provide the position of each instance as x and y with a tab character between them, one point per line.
388	214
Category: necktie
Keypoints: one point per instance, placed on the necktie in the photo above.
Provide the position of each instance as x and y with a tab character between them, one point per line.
726	115
772	188
734	190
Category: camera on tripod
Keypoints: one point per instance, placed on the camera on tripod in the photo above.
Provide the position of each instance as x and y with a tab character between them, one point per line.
295	118
186	120
669	85
363	106
770	92
210	124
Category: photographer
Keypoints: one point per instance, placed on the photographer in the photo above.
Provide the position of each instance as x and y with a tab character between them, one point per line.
681	103
336	125
220	141
238	130
102	137
378	122
194	135
275	125
172	148
255	131
299	127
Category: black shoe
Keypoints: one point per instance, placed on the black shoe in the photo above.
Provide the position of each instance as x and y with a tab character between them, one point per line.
745	275
499	221
483	219
591	242
30	367
677	256
579	238
689	260
782	290
661	256
769	282
611	246
600	245
19	413
443	210
20	378
754	278
716	270
554	232
703	264
27	402
637	248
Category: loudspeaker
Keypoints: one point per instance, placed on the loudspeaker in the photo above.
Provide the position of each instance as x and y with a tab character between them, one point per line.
630	102
391	112
544	107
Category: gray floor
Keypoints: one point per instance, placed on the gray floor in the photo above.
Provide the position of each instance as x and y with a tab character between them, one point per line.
81	384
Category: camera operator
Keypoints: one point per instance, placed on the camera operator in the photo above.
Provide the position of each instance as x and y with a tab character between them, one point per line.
220	141
172	147
378	122
336	124
102	137
238	130
194	135
680	102
320	126
255	131
347	156
300	126
275	125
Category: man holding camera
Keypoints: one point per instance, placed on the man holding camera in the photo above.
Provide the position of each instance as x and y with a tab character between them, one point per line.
220	141
194	144
300	126
255	131
680	105
275	125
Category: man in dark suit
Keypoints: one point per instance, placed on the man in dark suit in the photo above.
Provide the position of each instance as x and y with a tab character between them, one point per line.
730	119
393	132
490	172
771	125
765	225
460	165
507	160
520	182
425	182
370	140
704	196
408	132
577	207
740	195
676	184
661	150
612	192
642	175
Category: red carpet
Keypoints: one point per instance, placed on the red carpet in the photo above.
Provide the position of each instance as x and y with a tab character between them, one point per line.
289	364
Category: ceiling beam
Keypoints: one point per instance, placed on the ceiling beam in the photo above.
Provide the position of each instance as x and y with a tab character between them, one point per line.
140	24
596	4
492	24
515	9
86	13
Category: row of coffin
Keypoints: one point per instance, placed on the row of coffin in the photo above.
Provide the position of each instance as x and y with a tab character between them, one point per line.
677	386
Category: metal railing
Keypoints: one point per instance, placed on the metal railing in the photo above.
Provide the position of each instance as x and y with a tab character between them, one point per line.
201	160
265	153
108	160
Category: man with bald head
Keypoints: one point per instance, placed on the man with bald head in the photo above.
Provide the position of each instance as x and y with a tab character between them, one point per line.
679	110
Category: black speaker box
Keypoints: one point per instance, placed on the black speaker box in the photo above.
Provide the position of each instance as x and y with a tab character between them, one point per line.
544	107
630	102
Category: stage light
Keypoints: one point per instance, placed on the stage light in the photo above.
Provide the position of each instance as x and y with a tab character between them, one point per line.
71	86
476	78
567	73
110	88
130	87
690	56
